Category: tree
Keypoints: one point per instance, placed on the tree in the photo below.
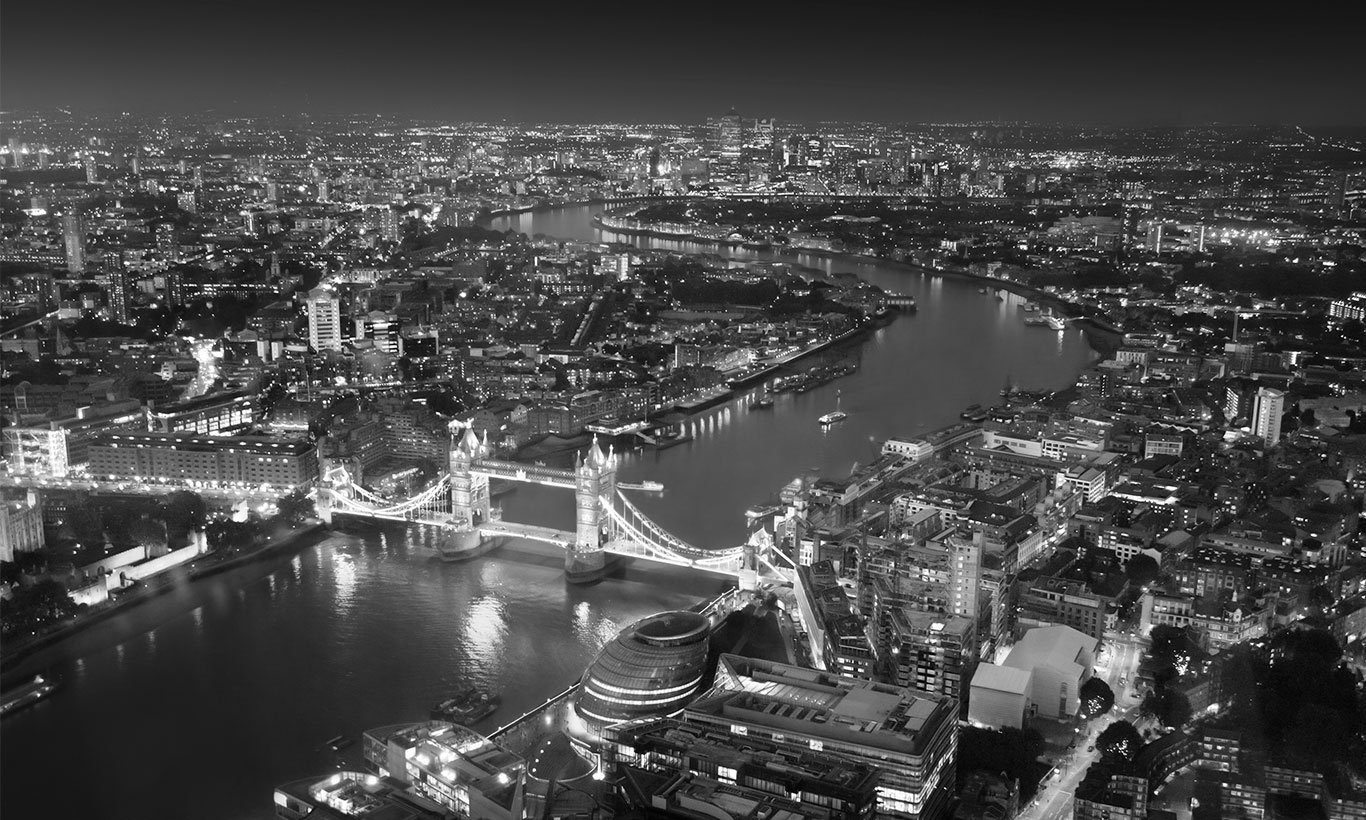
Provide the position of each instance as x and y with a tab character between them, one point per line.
1170	707
183	511
1097	697
1012	751
1119	741
295	506
1141	570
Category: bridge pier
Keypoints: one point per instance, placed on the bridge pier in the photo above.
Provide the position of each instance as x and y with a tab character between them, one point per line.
582	566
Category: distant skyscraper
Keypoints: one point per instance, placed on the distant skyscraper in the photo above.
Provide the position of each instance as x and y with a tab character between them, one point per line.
92	171
198	177
73	233
1266	415
728	135
324	191
16	152
186	202
324	320
118	288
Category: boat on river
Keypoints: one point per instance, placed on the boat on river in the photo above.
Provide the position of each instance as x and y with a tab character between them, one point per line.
833	417
468	706
28	693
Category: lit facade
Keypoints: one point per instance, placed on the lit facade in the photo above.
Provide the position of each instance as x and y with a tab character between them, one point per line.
208	461
912	737
324	320
652	668
456	767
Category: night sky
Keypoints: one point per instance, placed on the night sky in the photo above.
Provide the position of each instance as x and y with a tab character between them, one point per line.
1137	63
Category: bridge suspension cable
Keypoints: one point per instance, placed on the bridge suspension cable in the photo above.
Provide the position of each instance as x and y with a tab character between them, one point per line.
650	535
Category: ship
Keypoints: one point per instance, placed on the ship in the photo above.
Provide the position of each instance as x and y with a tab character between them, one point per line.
764	403
455	543
29	693
1057	322
468	706
833	417
974	412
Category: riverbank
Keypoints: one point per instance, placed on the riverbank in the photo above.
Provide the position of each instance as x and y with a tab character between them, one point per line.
1101	335
16	652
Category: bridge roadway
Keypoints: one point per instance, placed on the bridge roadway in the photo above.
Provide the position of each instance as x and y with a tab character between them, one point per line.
533	473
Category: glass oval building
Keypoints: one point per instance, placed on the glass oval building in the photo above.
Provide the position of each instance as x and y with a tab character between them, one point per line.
653	667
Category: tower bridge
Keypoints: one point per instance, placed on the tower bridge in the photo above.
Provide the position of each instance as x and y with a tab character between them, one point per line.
606	521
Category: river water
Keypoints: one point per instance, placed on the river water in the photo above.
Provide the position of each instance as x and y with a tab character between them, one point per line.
198	703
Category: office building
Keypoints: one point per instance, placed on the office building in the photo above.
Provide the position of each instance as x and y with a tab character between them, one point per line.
728	135
324	320
672	748
456	767
217	414
73	235
1266	415
932	652
912	737
835	628
1042	675
92	171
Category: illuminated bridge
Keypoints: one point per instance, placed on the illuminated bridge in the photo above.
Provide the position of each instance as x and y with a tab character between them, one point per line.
607	521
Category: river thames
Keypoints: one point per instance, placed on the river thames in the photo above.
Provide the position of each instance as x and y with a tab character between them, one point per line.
198	703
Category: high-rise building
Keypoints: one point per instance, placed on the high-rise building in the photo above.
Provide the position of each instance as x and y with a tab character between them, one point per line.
168	241
185	200
324	191
73	233
1266	415
118	288
175	288
728	135
92	171
390	224
324	320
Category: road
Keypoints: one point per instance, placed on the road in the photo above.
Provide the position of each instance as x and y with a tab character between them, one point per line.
1119	660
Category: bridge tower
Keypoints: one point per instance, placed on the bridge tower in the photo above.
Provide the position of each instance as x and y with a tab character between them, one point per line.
595	479
469	491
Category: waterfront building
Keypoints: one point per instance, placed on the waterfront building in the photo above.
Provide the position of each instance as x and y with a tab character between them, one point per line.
345	795
652	668
324	320
192	460
455	767
1266	415
911	737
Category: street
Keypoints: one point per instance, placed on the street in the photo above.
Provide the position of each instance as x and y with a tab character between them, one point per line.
1119	660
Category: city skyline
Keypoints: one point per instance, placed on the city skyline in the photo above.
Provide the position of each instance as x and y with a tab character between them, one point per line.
1163	66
